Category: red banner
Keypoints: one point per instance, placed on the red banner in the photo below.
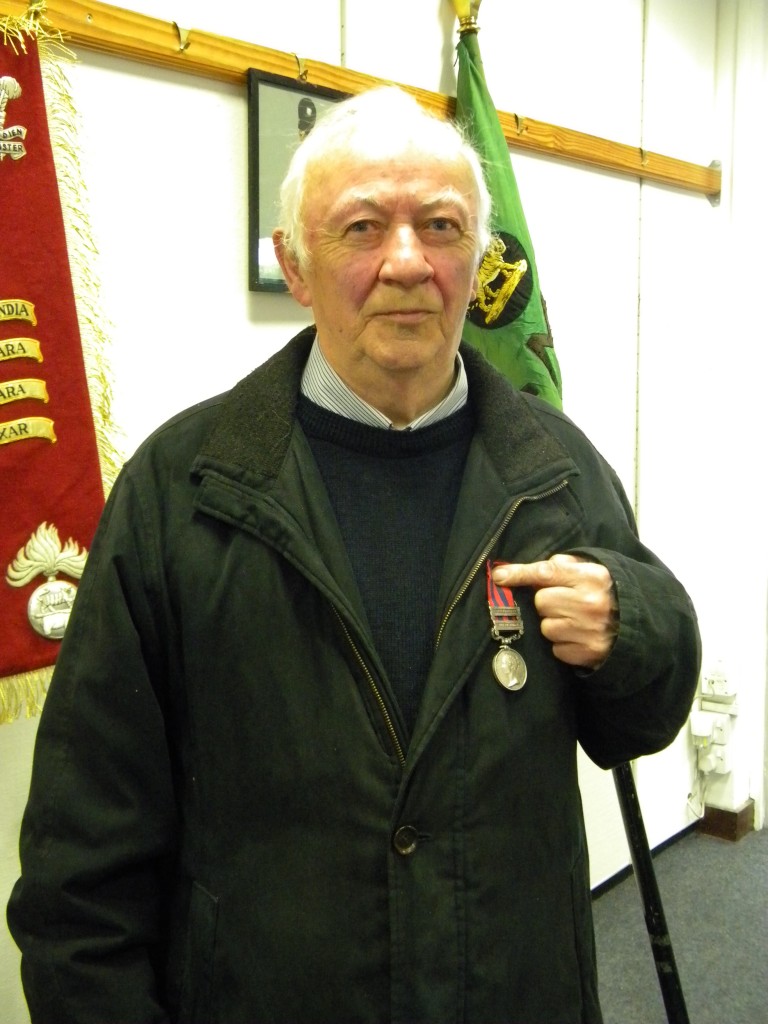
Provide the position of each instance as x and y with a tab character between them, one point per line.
52	492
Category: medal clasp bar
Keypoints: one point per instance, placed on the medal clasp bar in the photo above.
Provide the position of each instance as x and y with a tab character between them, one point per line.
507	623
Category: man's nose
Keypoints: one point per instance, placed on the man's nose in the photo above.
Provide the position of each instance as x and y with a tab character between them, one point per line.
404	260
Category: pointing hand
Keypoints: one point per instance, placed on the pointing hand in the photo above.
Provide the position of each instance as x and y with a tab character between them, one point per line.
576	602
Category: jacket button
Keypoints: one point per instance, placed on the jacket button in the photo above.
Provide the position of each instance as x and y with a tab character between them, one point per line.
406	839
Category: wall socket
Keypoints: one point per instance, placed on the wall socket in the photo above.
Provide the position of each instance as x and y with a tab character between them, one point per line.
715	685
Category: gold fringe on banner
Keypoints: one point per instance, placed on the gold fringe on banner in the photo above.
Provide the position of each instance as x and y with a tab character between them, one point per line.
24	693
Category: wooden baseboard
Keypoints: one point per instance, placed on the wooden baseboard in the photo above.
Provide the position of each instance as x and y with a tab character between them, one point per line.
732	825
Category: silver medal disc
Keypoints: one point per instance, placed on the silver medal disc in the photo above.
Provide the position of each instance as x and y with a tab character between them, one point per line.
510	669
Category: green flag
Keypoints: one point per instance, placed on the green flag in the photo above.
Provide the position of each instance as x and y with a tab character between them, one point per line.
507	322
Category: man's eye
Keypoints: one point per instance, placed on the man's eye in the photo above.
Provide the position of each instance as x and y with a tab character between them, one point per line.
361	227
443	226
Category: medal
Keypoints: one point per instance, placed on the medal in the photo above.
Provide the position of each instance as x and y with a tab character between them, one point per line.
509	668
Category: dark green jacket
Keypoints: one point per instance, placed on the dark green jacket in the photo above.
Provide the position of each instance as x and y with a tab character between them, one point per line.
215	827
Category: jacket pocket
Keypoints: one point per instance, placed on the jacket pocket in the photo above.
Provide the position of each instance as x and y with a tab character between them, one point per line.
196	999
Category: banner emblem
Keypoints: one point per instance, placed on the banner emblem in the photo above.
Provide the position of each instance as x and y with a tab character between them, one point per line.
50	605
505	284
10	144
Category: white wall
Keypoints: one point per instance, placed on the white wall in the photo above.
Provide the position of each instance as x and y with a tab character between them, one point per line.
635	277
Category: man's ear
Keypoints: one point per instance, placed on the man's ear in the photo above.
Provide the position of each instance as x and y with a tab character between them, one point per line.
475	289
291	270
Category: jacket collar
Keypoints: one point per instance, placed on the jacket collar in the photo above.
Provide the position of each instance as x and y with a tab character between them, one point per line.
252	433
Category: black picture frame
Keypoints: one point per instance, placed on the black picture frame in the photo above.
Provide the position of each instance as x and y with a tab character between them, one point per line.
279	110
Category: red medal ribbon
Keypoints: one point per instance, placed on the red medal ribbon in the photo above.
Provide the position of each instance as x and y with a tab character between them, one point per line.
505	614
498	595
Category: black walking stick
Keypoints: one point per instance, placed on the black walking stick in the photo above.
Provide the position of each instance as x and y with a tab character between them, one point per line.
661	944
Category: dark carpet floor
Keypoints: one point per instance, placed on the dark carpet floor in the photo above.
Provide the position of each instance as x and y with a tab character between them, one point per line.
715	898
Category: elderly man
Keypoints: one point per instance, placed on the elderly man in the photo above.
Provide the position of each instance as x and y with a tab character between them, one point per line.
309	754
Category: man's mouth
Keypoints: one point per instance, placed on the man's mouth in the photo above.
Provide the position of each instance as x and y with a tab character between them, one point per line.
405	315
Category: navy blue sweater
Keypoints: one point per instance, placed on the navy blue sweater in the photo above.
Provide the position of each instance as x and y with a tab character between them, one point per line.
394	493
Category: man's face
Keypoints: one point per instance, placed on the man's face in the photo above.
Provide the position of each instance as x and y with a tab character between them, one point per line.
392	268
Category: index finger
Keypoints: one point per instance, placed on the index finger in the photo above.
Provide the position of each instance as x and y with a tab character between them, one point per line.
556	571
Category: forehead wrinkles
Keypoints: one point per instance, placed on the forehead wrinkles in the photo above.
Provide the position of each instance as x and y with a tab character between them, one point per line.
386	200
381	185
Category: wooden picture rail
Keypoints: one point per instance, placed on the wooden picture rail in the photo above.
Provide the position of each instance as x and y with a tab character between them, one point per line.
124	33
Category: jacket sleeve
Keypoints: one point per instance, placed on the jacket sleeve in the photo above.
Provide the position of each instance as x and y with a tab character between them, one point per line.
639	699
98	833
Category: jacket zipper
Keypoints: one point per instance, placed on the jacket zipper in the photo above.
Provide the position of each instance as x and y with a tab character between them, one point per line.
459	594
482	558
376	693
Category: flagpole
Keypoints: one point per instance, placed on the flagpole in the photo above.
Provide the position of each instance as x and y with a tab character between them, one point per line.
655	921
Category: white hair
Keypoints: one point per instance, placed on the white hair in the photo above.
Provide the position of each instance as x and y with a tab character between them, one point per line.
378	123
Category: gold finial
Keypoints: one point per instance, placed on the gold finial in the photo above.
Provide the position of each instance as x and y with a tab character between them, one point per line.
466	12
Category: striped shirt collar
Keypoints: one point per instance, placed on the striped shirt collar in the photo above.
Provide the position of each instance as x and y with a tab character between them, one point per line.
322	385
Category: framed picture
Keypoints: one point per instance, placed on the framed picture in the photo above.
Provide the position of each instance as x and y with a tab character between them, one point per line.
281	111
